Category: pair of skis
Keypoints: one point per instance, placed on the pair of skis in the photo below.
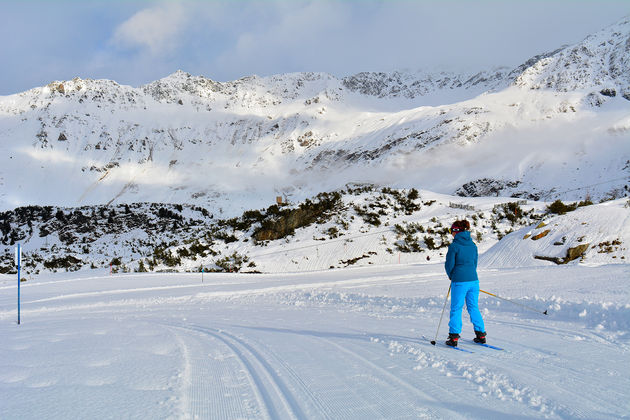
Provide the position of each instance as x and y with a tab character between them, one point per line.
490	346
479	344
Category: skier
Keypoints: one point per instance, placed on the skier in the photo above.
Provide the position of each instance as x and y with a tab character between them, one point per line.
461	268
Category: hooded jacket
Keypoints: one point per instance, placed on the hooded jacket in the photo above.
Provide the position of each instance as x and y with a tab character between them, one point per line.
461	259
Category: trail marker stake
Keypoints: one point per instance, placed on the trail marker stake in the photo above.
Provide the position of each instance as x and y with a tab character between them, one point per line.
18	263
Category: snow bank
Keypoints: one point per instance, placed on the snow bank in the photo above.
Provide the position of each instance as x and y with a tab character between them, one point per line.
596	234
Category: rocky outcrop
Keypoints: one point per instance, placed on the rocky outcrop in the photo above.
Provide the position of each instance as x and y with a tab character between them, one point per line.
572	254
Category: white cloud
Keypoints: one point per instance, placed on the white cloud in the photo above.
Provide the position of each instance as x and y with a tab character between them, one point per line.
300	36
342	37
155	29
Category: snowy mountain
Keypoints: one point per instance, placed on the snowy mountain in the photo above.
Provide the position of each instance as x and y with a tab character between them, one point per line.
143	214
601	61
556	127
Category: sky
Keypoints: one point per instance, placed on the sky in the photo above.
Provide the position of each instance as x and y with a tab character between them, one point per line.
136	42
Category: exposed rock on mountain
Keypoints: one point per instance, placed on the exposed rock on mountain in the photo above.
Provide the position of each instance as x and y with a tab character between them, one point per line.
601	62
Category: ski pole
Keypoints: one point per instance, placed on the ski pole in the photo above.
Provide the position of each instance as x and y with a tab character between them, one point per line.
516	303
443	307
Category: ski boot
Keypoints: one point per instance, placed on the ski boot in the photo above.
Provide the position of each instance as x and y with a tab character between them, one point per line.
480	337
452	340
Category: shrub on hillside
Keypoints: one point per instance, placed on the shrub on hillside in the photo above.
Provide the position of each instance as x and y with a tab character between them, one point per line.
558	207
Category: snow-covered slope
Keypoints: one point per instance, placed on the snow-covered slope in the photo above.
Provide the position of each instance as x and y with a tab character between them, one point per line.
600	63
556	127
597	234
334	344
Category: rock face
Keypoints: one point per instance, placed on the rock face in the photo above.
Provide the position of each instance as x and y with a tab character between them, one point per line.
575	252
281	223
485	187
572	254
412	85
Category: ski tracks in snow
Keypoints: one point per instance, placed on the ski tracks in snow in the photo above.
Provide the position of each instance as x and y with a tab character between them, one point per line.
507	381
225	375
212	379
262	372
480	377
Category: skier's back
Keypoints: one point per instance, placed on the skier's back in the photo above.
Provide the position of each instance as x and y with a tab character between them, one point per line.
461	268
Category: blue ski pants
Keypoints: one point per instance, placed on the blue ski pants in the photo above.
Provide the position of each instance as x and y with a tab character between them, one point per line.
465	291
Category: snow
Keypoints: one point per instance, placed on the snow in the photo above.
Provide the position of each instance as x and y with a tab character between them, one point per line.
339	323
600	228
346	344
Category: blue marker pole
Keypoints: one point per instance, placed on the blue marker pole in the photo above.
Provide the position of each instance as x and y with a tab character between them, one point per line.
19	266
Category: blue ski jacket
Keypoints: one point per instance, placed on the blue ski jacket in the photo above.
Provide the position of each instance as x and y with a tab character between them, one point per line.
461	258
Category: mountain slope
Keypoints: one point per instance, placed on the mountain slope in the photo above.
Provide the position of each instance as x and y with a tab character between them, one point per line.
555	127
358	226
601	61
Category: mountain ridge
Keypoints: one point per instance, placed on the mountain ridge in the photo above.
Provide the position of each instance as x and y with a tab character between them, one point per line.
187	138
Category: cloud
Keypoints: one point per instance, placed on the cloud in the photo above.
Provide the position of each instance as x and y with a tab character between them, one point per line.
344	37
155	30
298	36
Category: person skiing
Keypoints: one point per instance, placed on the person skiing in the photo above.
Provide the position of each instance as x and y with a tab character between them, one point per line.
461	268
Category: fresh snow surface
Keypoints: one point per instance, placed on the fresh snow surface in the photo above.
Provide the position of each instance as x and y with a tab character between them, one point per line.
350	343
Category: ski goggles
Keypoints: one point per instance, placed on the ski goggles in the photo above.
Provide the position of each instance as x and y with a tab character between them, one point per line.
455	230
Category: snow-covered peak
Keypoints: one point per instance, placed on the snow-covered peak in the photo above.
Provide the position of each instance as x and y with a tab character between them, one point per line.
601	61
76	93
169	88
247	91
